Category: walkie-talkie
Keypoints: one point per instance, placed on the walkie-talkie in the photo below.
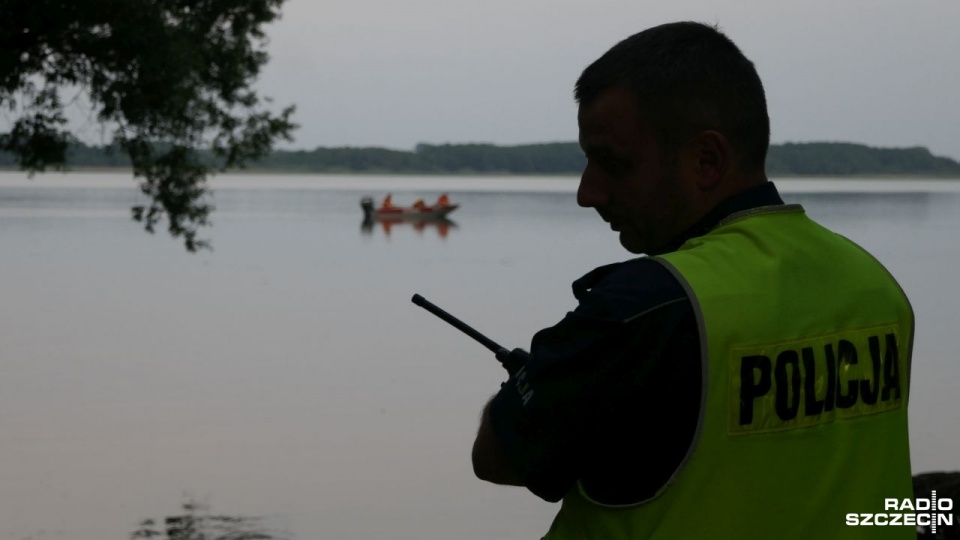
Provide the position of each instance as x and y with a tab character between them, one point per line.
512	361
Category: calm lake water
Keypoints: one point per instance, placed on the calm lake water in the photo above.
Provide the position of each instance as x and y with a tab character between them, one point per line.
287	375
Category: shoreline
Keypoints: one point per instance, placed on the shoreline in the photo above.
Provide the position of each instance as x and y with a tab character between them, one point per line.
430	185
464	174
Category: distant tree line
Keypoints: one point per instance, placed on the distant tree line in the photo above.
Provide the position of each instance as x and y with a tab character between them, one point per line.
823	158
790	159
546	158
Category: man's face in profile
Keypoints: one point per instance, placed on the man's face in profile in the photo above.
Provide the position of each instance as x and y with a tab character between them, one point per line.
625	178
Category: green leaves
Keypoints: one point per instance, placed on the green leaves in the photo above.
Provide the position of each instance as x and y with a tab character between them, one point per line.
165	77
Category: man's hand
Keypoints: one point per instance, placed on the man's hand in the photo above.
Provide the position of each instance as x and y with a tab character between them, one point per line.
488	460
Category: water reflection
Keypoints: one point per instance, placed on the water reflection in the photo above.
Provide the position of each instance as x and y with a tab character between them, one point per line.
910	205
279	350
387	225
197	523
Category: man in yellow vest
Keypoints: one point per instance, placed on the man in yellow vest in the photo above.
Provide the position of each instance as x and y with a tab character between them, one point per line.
749	377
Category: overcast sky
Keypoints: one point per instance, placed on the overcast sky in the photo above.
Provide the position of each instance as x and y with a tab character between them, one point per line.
397	72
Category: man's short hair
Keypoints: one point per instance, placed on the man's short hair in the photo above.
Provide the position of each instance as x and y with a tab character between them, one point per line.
688	77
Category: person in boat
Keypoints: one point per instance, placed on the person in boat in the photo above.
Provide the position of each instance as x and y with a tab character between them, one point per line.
387	202
748	377
443	200
419	204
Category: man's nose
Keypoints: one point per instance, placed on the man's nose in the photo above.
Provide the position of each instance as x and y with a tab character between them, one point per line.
592	192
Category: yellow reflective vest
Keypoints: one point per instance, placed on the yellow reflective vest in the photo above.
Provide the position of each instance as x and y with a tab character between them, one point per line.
806	343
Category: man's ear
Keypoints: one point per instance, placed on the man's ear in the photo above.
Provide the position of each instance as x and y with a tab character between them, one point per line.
710	157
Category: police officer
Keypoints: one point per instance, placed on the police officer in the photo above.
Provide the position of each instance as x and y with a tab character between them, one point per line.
749	376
